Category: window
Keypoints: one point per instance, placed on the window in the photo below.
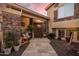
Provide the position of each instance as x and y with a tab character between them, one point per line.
61	33
69	9
66	10
61	12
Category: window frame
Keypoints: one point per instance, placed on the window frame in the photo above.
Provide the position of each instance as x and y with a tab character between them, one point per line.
64	11
61	33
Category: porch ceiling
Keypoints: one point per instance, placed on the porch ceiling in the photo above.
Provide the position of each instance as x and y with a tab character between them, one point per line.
26	10
38	21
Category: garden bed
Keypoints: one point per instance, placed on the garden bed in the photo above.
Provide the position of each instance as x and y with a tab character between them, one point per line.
19	52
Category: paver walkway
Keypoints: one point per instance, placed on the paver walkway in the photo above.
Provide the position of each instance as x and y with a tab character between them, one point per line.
39	47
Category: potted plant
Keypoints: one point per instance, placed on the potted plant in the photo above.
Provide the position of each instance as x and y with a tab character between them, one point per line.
16	45
11	42
51	36
8	42
30	30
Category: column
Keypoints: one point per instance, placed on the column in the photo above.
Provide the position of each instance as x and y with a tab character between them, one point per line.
74	38
65	34
78	35
56	33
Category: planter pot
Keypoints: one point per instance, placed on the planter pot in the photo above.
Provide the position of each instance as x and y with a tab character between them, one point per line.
7	50
16	47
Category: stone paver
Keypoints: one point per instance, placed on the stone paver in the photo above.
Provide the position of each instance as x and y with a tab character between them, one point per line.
39	47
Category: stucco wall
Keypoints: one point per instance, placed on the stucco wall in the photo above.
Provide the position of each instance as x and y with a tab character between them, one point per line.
26	21
33	16
66	24
50	13
70	23
1	36
61	24
12	11
27	17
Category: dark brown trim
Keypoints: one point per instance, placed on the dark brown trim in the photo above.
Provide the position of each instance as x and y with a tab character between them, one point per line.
13	7
50	5
26	10
56	5
65	18
55	15
78	35
1	28
71	29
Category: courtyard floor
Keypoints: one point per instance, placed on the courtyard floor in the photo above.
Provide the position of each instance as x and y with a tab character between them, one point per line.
61	49
39	47
43	47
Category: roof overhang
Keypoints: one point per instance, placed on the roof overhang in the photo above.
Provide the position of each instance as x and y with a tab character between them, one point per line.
19	7
51	4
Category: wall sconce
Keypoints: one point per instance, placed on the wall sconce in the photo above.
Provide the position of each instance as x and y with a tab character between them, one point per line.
39	25
22	24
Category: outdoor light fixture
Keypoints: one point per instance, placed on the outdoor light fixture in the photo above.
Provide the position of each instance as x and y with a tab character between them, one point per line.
39	25
38	21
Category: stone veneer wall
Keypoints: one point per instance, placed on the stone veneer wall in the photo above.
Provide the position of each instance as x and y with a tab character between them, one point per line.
12	22
2	6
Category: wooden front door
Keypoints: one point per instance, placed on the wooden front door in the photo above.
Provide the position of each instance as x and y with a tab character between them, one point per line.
38	33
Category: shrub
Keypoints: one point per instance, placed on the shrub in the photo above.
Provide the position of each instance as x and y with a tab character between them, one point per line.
51	36
10	39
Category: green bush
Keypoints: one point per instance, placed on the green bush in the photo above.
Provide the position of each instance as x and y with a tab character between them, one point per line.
16	42
10	39
51	36
30	28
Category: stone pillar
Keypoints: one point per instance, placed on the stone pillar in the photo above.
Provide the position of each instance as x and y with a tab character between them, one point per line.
56	33
50	26
32	34
65	34
78	35
50	30
46	23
